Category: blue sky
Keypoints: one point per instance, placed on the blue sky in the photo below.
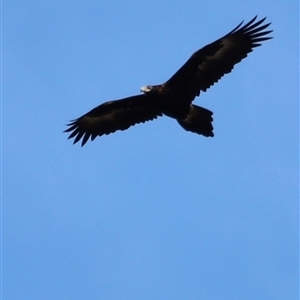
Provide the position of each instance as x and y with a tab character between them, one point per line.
154	212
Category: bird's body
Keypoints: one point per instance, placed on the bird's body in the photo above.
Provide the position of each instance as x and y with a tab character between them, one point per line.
174	97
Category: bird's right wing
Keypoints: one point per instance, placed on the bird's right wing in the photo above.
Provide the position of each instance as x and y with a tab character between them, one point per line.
112	116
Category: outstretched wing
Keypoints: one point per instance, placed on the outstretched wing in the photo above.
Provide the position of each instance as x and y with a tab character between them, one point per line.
206	66
114	115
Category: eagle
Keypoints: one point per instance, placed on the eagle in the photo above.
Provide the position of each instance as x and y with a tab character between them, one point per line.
174	97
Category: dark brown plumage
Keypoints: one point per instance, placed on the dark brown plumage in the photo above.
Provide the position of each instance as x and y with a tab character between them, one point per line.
174	97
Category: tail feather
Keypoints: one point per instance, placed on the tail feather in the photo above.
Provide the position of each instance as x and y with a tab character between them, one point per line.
199	120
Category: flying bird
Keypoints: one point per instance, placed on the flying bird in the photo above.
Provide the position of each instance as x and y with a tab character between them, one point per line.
174	97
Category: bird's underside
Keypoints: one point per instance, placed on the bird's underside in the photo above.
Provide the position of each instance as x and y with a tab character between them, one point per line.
174	98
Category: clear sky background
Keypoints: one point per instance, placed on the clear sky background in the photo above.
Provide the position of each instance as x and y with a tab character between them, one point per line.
153	212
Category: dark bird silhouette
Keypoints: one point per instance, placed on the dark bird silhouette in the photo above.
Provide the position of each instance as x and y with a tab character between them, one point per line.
174	97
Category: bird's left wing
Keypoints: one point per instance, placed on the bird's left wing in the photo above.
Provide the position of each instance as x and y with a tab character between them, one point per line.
207	65
112	116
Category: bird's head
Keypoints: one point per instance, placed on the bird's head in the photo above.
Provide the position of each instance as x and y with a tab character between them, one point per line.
146	89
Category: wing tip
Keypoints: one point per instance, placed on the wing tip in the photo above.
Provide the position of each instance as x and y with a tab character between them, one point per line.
252	24
76	132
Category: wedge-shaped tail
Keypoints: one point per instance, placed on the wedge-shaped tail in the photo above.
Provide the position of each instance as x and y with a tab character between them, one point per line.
199	120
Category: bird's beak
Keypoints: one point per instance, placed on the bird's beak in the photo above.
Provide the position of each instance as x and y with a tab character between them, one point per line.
145	89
